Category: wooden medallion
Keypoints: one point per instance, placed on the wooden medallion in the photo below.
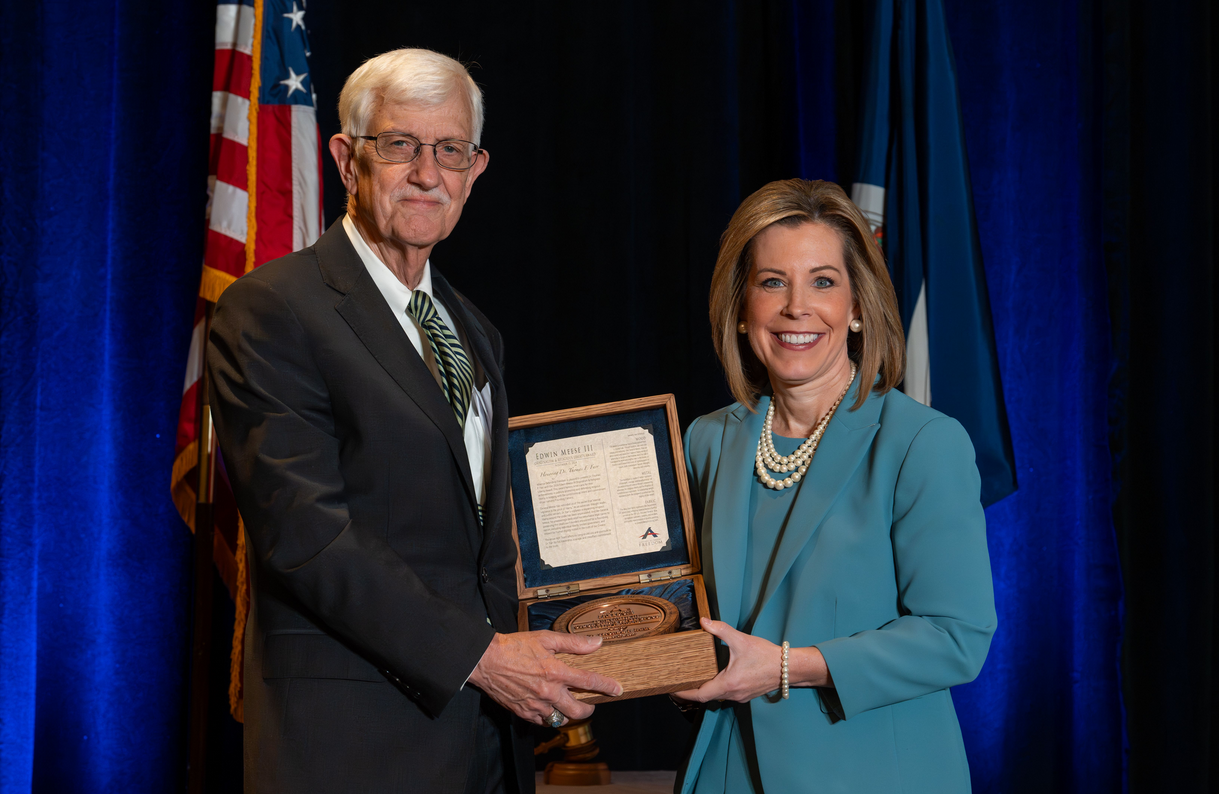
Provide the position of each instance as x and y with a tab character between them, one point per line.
617	618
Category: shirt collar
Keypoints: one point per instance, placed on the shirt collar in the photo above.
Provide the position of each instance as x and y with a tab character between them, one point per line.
397	294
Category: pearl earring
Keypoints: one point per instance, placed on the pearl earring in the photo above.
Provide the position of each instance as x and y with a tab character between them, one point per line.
741	327
856	326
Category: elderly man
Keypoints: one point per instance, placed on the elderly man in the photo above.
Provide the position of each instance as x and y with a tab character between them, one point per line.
361	414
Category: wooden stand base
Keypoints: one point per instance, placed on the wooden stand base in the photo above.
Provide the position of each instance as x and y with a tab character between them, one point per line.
559	773
579	749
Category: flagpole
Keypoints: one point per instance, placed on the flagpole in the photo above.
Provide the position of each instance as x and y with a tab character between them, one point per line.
204	541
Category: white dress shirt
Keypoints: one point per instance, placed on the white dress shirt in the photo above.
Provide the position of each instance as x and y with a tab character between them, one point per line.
398	296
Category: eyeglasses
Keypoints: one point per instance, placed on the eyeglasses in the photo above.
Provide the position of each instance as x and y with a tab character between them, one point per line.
397	147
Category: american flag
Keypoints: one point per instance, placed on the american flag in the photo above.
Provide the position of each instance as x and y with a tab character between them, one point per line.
264	201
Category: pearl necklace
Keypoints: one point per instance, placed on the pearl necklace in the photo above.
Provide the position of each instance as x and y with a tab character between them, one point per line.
797	463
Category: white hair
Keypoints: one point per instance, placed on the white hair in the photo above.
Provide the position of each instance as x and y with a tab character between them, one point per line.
408	77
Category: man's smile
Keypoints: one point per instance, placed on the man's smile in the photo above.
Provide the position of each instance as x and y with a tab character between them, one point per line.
430	201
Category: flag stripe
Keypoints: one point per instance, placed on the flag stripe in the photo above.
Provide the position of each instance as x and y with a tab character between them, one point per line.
231	164
194	359
230	118
306	221
229	205
223	254
219	106
232	72
235	27
236	119
275	205
186	416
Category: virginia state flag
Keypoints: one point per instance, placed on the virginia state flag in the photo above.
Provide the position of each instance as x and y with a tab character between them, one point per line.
913	186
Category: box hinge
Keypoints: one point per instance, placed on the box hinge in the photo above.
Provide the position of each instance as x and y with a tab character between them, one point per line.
561	590
659	576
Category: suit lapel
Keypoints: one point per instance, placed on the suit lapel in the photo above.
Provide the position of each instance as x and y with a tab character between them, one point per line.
844	446
729	510
370	318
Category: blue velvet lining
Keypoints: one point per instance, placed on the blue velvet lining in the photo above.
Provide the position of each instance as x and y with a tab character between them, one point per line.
543	614
537	573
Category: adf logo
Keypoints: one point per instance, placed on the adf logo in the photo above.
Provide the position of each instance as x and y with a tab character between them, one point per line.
648	534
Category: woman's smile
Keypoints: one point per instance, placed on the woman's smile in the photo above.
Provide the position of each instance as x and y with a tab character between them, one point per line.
794	341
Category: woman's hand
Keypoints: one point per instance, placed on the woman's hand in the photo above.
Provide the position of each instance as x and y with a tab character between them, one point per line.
754	666
752	671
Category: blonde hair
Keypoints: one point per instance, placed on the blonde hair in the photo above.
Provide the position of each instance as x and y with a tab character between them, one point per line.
880	348
409	77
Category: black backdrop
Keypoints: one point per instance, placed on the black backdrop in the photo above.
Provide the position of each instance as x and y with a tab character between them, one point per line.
1160	138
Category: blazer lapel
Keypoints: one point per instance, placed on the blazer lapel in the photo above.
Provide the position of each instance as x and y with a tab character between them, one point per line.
369	316
844	446
728	510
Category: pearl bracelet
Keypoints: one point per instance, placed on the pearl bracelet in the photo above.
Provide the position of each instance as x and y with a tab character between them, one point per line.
783	670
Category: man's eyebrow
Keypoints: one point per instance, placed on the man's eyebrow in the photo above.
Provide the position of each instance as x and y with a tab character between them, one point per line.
416	136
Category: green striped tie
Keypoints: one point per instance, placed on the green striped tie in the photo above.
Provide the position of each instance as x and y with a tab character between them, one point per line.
456	374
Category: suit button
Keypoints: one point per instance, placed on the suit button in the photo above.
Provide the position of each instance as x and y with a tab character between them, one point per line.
486	576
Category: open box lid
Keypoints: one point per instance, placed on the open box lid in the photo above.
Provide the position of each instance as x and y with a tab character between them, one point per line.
630	419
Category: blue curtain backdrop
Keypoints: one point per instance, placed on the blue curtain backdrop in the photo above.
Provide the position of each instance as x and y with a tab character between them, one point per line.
103	133
1045	714
105	118
1050	690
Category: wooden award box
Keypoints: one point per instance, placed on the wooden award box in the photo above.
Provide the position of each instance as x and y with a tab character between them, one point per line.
644	666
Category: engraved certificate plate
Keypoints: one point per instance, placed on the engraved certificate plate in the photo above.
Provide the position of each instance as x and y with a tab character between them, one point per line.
617	618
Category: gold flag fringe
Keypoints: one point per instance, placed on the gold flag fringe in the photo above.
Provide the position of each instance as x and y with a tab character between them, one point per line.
213	283
179	484
237	655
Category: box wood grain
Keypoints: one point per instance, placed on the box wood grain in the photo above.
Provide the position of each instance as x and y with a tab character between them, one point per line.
649	666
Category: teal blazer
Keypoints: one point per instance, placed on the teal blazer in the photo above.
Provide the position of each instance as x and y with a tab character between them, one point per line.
883	566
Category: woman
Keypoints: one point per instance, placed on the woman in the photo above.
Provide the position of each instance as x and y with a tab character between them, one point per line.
840	517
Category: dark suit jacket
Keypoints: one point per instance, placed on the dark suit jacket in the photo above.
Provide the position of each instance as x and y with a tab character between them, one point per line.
372	580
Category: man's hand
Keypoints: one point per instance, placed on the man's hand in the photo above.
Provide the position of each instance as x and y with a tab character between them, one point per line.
519	672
